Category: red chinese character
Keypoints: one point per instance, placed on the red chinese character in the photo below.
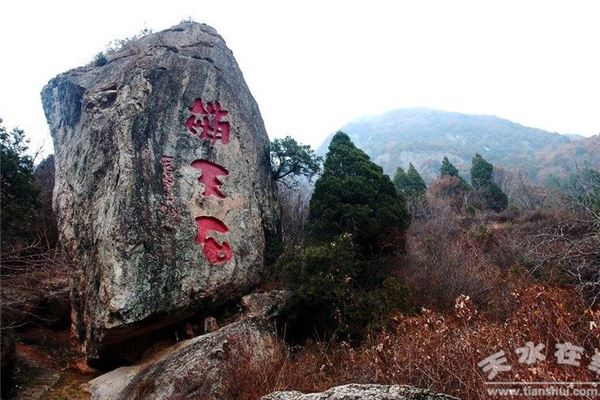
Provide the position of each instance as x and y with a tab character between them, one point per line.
209	178
206	121
215	253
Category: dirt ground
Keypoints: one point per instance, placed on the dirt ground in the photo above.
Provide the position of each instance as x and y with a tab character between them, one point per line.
48	367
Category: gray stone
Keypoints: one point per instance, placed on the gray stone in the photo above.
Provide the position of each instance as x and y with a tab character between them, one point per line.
193	369
363	392
210	324
265	305
132	178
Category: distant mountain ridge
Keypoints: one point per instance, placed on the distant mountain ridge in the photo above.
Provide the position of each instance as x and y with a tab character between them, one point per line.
424	136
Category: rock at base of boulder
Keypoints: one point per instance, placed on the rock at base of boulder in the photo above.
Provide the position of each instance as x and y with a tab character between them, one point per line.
193	369
358	392
264	305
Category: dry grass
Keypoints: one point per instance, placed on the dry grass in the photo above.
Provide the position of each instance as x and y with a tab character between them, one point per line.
485	257
34	288
438	350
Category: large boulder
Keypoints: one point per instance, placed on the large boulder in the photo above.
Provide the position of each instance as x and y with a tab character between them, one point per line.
363	392
193	369
164	195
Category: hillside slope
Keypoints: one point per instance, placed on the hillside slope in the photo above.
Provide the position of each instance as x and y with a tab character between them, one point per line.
567	158
424	136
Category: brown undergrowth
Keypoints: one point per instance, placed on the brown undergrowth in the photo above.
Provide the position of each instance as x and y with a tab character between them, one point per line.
439	350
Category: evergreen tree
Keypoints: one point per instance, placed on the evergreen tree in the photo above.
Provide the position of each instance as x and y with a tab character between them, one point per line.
448	169
417	185
329	297
481	172
400	180
482	179
20	195
410	183
354	196
340	285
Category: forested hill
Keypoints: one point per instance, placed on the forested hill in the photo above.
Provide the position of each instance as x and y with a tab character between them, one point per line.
424	136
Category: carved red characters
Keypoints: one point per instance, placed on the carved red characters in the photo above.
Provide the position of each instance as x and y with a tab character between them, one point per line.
215	253
209	178
205	121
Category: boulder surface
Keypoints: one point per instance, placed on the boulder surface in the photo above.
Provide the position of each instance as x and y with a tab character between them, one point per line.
363	392
193	369
164	194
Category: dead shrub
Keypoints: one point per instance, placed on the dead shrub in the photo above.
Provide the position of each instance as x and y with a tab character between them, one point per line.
34	288
443	262
439	351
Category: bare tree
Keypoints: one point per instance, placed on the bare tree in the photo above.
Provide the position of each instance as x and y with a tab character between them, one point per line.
572	243
294	211
519	189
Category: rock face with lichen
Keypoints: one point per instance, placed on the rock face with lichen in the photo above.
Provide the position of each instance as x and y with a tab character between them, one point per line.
367	391
164	194
197	368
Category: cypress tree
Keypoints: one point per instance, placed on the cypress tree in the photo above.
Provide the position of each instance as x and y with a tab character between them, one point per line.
410	183
417	185
340	283
448	169
400	180
354	196
482	179
481	172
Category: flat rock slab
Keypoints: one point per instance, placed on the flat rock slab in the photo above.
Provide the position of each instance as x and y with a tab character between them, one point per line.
363	392
193	369
164	193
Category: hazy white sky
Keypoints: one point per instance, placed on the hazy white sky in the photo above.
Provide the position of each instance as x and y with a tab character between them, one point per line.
315	65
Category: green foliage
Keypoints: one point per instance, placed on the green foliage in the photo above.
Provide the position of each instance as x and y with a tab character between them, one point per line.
20	195
354	196
329	299
100	59
340	285
291	161
320	282
417	185
489	193
400	179
481	232
493	197
471	211
482	172
448	169
410	183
